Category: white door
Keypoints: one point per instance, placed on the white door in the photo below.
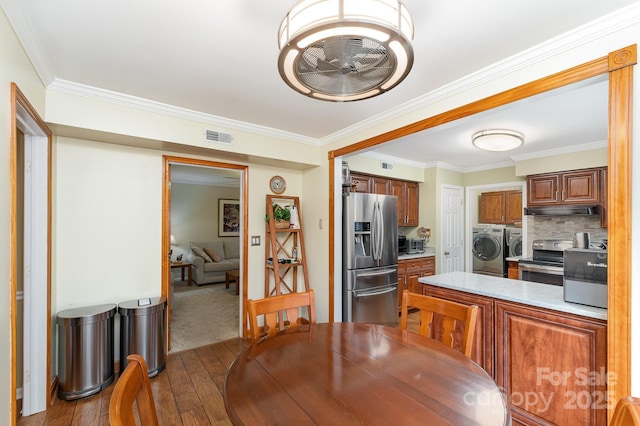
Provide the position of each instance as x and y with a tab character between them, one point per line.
452	240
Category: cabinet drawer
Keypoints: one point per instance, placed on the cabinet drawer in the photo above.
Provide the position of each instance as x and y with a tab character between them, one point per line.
415	265
430	266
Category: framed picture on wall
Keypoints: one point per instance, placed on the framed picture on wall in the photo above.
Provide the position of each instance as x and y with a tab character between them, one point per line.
228	218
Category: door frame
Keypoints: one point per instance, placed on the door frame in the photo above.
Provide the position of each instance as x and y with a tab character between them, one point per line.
24	115
166	228
619	65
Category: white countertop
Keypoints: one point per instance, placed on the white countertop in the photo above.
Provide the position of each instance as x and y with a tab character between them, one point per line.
525	292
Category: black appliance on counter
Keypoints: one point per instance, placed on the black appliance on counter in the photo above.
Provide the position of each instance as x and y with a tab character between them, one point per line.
403	247
585	276
547	262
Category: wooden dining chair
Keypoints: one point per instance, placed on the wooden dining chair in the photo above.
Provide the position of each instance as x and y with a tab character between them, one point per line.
280	312
133	385
450	313
627	412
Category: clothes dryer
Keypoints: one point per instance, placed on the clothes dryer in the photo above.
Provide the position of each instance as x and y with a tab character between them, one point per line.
488	248
514	242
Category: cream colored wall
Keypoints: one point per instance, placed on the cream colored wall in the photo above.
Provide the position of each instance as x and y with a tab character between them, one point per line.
194	213
485	177
557	163
14	67
373	166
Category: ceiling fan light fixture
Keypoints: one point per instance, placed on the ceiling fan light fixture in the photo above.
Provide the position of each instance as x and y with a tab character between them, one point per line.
497	139
346	50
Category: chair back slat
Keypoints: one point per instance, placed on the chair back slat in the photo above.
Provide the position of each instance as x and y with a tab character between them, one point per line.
627	412
280	310
133	385
448	316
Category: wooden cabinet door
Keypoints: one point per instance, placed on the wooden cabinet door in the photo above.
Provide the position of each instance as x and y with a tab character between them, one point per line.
415	269
361	183
482	352
430	266
559	358
581	187
380	186
542	190
412	202
512	270
513	207
492	207
397	188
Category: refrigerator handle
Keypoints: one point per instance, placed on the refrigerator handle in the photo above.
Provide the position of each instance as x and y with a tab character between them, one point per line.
380	232
375	235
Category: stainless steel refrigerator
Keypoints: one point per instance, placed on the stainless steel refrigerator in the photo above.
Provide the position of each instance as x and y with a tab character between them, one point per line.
370	258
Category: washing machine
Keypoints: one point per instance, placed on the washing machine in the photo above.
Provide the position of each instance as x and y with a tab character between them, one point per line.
489	254
514	242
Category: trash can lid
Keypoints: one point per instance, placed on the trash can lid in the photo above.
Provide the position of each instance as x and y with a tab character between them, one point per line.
143	306
86	314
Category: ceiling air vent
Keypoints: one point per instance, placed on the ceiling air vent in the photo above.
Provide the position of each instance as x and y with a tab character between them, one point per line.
215	136
386	166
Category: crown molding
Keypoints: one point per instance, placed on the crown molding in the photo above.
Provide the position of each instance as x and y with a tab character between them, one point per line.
391	159
559	151
599	28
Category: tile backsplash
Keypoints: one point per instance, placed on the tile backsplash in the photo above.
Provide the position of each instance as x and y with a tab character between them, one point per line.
563	227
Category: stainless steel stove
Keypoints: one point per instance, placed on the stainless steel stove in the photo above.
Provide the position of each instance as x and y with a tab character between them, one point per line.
546	264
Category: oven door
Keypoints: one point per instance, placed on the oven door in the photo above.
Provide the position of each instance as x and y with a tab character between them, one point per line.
544	274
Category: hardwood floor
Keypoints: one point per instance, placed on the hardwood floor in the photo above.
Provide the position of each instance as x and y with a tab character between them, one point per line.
187	392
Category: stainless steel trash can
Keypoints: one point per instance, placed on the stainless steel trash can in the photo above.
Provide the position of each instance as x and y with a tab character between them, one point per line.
85	350
142	331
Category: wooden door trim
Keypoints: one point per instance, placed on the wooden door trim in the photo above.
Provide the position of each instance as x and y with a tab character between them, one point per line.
619	67
19	99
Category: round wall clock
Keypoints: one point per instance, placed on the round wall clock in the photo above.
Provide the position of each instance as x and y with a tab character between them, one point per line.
277	184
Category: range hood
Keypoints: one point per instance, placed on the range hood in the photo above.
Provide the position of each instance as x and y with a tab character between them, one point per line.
563	210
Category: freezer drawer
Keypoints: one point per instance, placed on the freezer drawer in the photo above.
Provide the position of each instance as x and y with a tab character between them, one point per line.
376	306
364	279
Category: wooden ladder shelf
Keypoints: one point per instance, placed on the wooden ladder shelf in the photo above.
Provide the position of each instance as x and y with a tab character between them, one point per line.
283	278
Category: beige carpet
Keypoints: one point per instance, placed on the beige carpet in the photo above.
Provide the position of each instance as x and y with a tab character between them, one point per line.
203	315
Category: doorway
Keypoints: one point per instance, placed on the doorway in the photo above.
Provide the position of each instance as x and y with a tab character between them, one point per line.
452	237
206	181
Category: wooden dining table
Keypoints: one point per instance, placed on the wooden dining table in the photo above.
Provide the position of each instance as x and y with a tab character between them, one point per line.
355	373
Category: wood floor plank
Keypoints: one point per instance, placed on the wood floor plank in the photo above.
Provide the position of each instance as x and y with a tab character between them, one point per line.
184	393
226	355
211	398
216	369
191	361
195	417
163	397
87	411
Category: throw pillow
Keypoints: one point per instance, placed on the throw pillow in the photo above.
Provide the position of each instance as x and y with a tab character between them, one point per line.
217	257
199	252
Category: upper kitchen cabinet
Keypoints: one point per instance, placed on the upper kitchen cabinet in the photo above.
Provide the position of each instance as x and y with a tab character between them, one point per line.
501	207
572	187
408	194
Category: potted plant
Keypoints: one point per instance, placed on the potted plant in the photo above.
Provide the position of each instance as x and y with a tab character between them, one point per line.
281	216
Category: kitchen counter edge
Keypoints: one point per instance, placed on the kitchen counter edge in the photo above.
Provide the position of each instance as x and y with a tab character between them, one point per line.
415	256
525	292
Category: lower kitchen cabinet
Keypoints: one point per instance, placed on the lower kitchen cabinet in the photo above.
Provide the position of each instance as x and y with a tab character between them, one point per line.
483	341
551	365
409	270
512	270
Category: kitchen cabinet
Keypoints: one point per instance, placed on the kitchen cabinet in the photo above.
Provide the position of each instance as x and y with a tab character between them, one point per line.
483	340
512	270
409	270
551	365
571	187
408	194
501	207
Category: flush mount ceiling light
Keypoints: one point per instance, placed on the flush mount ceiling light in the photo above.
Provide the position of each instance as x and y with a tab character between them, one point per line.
497	139
345	50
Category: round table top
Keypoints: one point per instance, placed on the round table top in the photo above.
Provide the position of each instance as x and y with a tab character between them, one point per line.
354	373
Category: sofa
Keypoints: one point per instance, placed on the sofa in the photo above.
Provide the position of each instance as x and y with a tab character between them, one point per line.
210	260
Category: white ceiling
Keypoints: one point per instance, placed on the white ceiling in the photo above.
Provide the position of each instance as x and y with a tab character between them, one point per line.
219	57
